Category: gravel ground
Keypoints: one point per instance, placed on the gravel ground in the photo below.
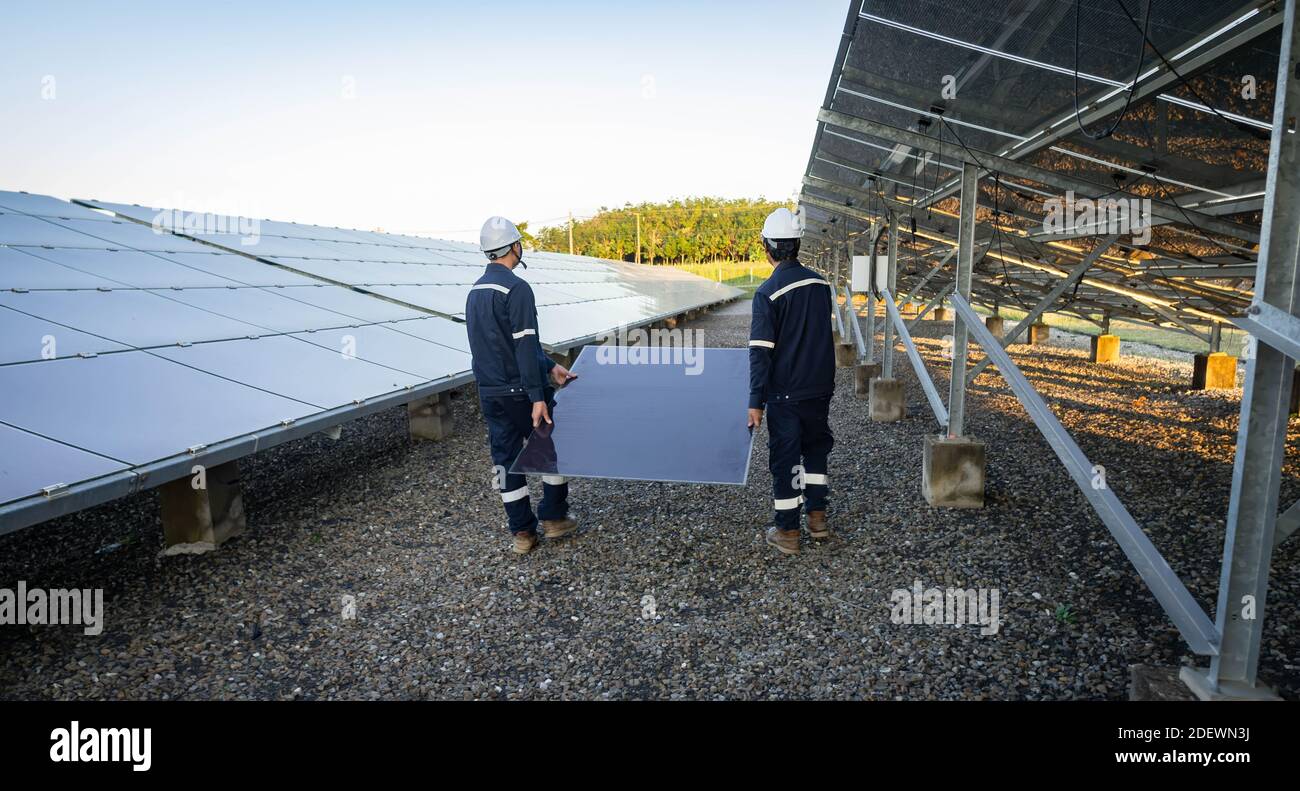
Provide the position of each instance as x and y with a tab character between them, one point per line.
443	610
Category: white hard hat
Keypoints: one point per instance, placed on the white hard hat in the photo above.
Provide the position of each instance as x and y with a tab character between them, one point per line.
498	234
783	224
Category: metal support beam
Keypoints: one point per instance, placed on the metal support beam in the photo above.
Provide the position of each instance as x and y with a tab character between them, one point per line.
1047	301
916	290
871	306
935	300
1192	622
891	282
918	365
857	325
1277	328
970	178
1180	321
1261	436
1043	176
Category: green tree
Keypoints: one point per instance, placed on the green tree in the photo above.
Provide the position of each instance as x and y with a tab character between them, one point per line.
682	230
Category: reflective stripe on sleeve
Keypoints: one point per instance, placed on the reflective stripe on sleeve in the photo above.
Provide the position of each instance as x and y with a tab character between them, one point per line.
494	286
764	344
522	333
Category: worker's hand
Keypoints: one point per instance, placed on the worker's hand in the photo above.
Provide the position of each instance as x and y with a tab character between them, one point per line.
755	418
540	413
561	376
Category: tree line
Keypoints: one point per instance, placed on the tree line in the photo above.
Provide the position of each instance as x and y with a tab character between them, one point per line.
686	230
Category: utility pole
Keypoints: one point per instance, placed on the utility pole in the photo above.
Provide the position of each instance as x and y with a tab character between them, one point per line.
638	237
654	242
570	233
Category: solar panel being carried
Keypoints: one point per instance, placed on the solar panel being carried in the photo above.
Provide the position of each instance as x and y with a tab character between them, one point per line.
691	400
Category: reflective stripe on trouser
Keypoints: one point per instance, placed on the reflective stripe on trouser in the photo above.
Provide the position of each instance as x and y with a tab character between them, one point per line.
798	433
510	420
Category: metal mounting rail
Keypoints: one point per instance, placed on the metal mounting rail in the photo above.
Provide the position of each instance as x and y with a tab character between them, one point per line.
857	325
918	365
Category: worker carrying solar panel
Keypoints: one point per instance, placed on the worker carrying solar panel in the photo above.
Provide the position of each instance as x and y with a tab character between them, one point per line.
792	376
516	382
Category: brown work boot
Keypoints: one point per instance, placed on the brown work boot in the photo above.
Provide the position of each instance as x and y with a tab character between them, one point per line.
817	525
558	528
786	541
525	542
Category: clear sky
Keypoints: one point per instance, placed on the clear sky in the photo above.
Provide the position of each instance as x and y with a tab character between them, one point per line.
414	117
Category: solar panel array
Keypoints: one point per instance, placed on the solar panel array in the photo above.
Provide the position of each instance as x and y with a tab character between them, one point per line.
129	352
918	87
578	297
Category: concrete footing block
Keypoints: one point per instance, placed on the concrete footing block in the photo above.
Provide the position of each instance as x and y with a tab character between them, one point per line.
1039	333
1198	682
846	355
1105	349
952	474
202	511
887	402
1214	371
430	418
940	314
1295	393
995	325
862	376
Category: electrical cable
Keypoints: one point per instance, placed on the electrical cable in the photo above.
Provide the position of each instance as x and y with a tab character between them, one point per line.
1247	128
1128	98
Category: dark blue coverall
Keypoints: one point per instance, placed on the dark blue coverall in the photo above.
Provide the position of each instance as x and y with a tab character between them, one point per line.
792	374
512	372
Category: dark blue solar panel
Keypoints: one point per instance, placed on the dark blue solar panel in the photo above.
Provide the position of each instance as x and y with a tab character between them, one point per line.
31	463
680	420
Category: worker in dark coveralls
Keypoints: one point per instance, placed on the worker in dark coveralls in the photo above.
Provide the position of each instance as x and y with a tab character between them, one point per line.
792	377
516	382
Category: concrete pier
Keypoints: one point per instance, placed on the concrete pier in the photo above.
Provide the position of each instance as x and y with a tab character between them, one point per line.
1105	349
846	355
995	325
1039	333
862	376
887	402
430	418
202	511
940	314
1214	371
952	475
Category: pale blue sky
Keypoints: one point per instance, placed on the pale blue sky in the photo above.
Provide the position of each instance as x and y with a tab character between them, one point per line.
416	117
